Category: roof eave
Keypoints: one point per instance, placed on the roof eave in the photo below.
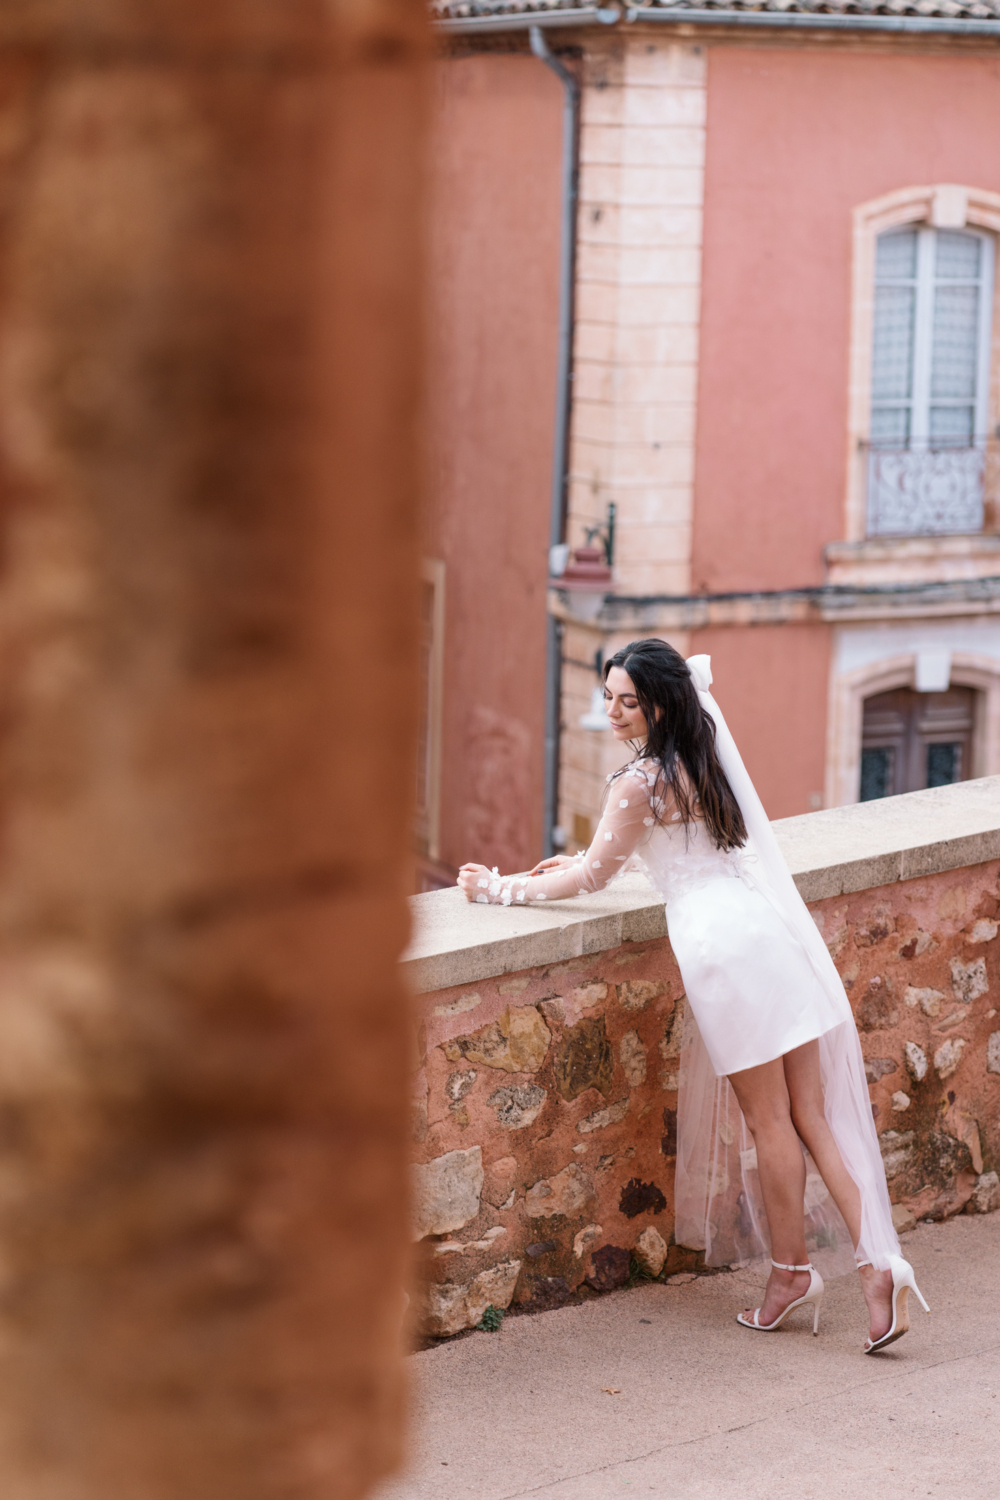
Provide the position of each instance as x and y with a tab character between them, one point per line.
591	15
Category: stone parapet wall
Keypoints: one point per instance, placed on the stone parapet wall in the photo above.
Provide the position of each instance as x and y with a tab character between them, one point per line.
544	1111
546	1096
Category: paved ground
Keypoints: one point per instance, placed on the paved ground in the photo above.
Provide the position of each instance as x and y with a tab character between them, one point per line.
701	1408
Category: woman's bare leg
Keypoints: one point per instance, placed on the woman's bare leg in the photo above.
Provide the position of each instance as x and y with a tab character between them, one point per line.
763	1097
805	1091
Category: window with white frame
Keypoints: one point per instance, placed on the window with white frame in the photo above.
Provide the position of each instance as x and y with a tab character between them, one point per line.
930	380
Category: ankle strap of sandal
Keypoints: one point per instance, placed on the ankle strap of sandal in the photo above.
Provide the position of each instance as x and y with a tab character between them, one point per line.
780	1266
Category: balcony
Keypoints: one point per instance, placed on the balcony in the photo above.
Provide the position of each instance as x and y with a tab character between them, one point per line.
925	489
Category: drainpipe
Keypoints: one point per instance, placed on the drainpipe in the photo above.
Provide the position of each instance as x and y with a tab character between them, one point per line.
564	379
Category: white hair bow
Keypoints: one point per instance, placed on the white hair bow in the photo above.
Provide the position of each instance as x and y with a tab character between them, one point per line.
700	668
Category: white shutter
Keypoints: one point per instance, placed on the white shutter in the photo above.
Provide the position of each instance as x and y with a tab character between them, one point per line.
930	380
954	355
892	355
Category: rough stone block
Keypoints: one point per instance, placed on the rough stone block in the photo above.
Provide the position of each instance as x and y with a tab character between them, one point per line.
567	1193
681	1258
969	980
877	1067
601	1118
641	1198
636	994
928	1000
670	1042
948	1056
902	1218
456	1007
668	1141
993	1053
500	1177
965	1128
633	1058
651	1251
900	1101
585	1060
518	1107
459	1084
516	1042
917	945
879	926
587	995
877	1012
938	1204
544	1293
588	1235
446	1191
609	1268
452	1306
985	1195
897	1151
916	1061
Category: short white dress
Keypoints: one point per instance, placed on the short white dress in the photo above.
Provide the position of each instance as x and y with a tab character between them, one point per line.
748	980
759	983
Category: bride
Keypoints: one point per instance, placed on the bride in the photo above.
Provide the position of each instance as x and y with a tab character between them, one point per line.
768	1018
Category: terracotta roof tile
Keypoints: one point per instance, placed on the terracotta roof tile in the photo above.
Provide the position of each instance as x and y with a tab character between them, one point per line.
952	10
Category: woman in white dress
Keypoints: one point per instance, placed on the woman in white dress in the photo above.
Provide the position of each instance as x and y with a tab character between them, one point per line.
776	1141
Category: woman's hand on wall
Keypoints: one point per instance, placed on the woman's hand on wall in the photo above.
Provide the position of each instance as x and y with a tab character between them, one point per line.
474	880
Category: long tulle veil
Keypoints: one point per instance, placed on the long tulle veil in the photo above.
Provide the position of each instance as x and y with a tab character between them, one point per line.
718	1202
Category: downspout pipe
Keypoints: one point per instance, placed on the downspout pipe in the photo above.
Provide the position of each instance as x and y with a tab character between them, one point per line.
560	446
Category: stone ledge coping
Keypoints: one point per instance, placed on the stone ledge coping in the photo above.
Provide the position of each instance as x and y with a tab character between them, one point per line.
829	853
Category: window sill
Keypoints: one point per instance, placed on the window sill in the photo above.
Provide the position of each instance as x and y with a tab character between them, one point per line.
913	559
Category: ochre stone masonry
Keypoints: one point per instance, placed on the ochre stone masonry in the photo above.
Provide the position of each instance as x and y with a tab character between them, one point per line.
545	1111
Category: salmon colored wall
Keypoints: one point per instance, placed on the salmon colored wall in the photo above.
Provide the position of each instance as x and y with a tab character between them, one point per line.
771	684
496	152
796	138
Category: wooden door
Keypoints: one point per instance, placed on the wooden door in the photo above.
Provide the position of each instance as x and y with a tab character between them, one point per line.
914	740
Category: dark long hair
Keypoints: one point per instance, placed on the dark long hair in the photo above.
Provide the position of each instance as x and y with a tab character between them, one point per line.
681	734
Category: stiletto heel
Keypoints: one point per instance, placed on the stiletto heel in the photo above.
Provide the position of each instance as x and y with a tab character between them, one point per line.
814	1295
903	1282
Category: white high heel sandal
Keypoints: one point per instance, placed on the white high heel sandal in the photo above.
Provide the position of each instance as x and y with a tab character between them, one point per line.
903	1282
813	1295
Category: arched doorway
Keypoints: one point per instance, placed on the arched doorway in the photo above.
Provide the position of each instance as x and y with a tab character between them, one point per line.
912	740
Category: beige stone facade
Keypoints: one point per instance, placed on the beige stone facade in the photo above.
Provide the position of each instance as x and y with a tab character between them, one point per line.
642	157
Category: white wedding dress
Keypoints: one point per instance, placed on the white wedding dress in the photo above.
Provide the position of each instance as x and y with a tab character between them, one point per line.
759	982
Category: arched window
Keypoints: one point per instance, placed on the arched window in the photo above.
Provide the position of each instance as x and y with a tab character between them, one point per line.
924	376
930	376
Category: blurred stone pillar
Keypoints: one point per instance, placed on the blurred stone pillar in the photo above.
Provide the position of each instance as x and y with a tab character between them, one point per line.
208	366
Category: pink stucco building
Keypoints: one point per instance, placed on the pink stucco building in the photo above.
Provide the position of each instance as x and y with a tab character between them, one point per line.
784	375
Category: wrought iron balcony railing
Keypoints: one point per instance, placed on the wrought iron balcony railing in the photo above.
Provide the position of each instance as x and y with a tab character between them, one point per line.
932	489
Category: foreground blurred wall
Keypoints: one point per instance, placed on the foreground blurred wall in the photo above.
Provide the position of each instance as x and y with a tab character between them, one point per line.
209	270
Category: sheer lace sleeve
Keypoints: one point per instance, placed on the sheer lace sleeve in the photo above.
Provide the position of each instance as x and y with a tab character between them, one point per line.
633	808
